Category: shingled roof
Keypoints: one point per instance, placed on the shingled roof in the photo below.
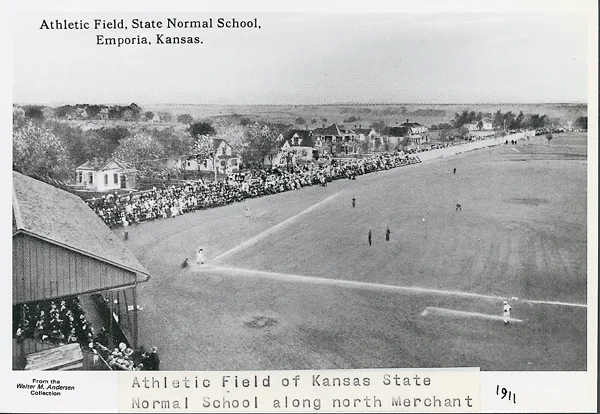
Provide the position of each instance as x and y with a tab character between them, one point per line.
364	131
62	218
302	133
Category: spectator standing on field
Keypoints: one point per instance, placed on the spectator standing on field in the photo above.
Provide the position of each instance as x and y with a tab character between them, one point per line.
370	237
353	202
152	362
387	234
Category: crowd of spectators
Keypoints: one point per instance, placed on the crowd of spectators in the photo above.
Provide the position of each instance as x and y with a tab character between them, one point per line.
124	358
59	322
175	200
62	322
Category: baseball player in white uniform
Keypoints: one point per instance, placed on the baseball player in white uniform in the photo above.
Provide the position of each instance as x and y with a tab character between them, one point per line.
199	258
506	310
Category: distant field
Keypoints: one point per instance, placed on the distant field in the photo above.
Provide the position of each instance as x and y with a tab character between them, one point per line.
426	114
301	289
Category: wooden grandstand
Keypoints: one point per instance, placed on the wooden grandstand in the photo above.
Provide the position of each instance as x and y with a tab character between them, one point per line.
61	249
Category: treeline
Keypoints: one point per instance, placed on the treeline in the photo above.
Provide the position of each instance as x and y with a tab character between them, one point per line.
52	149
128	113
499	120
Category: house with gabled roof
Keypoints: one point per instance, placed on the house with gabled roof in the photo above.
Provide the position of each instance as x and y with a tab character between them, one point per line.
105	175
483	125
415	127
224	159
296	146
337	139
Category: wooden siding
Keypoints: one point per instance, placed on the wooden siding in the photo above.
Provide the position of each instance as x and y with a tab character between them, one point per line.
42	271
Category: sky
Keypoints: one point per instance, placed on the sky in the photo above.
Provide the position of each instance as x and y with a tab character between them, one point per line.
308	59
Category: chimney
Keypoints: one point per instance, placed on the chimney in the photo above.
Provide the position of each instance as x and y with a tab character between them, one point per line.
407	120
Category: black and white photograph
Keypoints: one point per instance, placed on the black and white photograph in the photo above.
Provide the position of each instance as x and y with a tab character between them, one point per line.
203	191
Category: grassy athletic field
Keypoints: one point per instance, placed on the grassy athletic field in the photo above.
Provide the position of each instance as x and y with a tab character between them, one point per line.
296	286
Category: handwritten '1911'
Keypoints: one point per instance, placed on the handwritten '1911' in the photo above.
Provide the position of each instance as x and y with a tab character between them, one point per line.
511	396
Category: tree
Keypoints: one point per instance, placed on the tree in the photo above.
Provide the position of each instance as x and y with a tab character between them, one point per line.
37	152
300	121
378	126
203	147
93	111
405	142
260	141
582	122
103	114
498	121
143	152
185	118
109	140
508	120
149	115
18	117
75	140
175	142
127	115
538	121
233	134
165	117
463	133
517	123
115	112
136	111
445	135
201	128
549	138
463	118
34	113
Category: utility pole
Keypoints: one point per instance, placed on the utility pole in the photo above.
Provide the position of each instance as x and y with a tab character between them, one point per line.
215	165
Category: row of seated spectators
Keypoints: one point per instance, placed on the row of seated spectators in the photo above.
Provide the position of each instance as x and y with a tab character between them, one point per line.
59	322
175	200
427	147
124	358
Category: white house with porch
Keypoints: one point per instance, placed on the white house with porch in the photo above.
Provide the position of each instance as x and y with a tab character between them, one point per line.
105	175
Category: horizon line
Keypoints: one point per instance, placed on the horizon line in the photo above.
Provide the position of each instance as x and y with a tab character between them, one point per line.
58	103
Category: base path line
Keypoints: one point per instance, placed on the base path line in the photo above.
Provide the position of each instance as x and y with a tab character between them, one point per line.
273	229
372	286
550	302
452	312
